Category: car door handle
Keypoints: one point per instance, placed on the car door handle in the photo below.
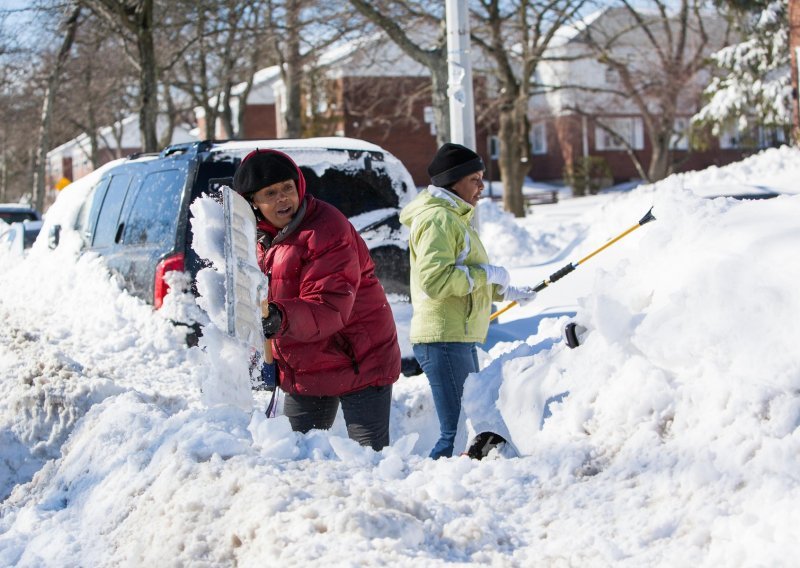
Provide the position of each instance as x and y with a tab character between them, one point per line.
118	236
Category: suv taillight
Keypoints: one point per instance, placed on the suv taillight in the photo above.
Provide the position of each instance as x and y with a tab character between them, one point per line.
170	263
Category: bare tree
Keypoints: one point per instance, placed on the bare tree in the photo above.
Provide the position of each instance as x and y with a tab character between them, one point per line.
655	56
419	17
70	26
304	29
99	87
515	36
214	45
24	68
133	20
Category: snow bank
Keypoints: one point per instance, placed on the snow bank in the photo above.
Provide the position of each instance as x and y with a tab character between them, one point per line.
675	444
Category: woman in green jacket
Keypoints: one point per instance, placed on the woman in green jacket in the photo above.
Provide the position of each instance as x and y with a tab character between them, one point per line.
452	283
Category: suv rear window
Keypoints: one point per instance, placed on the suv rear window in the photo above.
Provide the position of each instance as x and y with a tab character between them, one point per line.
352	192
154	216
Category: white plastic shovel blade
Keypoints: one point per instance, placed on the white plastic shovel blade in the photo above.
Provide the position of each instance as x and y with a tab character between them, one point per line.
245	284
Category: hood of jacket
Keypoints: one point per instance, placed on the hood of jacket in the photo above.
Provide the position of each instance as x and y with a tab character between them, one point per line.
432	197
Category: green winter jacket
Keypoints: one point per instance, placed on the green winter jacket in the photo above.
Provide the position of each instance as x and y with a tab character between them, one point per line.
449	292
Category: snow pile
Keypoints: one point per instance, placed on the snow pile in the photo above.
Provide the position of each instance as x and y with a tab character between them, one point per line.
670	437
776	169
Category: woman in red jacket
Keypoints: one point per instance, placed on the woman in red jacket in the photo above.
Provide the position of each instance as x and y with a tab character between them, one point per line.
333	335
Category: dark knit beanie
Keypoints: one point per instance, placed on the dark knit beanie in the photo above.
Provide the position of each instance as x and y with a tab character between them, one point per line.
453	162
261	168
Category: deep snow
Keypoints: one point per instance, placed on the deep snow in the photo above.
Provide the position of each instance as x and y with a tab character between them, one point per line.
676	444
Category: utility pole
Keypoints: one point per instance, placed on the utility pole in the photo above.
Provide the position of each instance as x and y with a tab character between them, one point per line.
459	68
459	79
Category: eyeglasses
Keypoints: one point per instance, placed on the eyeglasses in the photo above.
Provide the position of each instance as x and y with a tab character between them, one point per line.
273	194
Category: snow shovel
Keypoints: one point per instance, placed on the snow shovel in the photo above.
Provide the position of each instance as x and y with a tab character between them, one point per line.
559	274
245	285
485	442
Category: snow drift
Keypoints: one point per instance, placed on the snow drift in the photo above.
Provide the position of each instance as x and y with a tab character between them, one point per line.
676	442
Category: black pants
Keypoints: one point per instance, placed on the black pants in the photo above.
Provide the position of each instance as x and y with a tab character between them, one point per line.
366	414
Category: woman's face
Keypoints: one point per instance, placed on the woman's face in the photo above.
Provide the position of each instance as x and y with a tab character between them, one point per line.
469	188
278	202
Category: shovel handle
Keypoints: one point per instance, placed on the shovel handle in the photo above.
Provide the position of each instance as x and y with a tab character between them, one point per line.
267	342
648	217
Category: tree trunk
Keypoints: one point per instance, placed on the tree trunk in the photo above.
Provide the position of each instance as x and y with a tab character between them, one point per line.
511	171
514	155
148	111
293	91
292	74
117	133
172	118
241	130
660	159
91	133
3	175
40	161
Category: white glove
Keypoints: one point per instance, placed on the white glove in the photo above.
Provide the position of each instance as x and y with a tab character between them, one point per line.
521	295
497	275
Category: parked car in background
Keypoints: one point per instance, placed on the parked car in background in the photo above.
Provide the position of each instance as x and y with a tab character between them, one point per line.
737	190
23	226
137	215
16	213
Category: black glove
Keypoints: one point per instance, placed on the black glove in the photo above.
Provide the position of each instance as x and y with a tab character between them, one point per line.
272	323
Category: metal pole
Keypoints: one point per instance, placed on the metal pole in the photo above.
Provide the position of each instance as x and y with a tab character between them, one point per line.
459	81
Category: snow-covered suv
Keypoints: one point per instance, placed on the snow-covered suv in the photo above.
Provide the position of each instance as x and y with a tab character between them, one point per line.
137	215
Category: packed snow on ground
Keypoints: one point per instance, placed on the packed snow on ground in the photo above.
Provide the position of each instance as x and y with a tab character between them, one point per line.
668	438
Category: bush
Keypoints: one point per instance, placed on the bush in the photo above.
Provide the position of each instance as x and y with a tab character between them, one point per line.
588	175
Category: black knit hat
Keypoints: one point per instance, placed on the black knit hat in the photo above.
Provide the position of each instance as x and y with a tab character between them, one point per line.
453	162
261	168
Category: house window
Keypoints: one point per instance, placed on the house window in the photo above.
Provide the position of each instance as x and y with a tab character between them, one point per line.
770	137
539	139
429	118
732	138
619	134
729	138
680	134
494	148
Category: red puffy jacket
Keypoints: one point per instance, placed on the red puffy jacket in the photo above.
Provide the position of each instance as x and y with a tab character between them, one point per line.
338	334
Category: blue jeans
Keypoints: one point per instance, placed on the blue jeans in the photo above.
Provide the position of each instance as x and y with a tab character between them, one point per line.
447	365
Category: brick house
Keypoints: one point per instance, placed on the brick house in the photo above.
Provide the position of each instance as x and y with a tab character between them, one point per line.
72	159
569	124
367	89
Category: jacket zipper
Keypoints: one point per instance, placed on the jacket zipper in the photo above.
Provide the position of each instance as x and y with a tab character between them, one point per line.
469	313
